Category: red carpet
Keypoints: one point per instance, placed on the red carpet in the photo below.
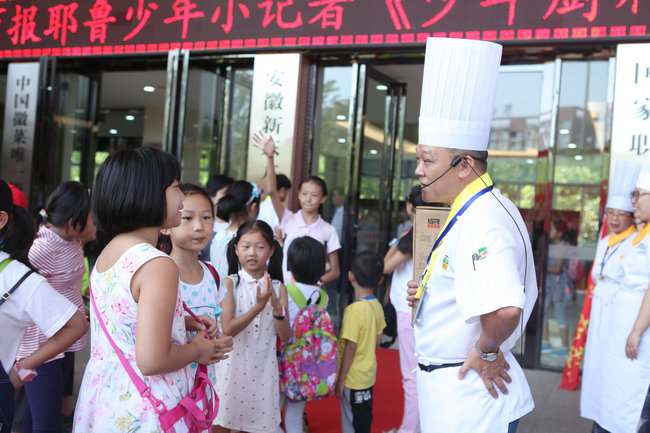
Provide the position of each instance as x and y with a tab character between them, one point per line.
325	415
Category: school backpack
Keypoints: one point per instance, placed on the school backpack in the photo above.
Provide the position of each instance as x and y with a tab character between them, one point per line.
307	362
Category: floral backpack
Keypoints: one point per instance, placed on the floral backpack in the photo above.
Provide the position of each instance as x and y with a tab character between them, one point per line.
307	361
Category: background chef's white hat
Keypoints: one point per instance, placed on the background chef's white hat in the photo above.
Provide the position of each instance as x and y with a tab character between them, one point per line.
458	90
621	184
643	180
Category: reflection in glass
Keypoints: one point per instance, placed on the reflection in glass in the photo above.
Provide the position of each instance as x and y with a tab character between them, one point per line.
331	157
373	158
331	141
200	132
574	222
73	125
237	99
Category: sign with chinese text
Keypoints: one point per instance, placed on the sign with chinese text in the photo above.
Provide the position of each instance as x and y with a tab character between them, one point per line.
631	115
273	112
20	120
65	27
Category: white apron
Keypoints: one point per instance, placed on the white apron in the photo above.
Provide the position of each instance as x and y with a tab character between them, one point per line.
450	405
614	387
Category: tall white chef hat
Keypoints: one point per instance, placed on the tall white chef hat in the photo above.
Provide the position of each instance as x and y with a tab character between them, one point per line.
621	184
643	180
458	91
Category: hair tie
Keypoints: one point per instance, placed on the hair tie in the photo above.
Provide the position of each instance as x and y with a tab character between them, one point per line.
255	193
43	214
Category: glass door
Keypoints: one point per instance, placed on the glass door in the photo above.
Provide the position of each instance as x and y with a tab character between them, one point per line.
214	116
379	139
91	108
358	113
66	138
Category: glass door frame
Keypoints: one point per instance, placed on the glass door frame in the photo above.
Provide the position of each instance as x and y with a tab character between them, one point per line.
393	134
46	150
225	67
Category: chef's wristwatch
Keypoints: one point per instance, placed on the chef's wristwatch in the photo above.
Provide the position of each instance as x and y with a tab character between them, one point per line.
489	357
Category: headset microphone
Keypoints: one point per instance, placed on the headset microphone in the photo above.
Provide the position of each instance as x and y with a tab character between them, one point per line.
454	163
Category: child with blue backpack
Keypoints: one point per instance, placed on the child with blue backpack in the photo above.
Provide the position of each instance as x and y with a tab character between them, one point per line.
306	261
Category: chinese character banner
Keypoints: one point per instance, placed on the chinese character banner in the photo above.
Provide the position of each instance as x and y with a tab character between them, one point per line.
631	115
51	27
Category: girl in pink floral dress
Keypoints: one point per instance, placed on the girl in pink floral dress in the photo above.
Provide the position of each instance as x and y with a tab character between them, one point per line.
135	287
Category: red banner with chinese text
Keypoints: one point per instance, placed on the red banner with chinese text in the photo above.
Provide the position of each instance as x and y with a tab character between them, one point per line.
571	372
64	27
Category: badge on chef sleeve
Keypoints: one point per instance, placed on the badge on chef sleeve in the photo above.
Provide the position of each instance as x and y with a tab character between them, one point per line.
445	263
481	254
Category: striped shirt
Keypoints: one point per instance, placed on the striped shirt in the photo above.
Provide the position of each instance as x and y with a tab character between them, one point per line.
62	263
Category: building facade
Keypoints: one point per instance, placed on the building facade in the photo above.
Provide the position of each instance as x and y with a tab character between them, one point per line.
338	82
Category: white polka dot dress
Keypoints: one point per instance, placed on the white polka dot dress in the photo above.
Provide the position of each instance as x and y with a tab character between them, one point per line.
247	382
202	299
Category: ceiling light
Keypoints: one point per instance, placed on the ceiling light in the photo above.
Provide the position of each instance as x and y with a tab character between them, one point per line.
129	117
341	117
381	87
373	151
112	131
341	140
578	157
564	131
572	145
149	89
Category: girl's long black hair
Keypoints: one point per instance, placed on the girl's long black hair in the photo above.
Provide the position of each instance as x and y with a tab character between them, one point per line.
18	235
275	262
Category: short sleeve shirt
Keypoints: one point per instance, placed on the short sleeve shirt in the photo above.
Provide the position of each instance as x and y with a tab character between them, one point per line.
34	303
294	226
363	321
482	265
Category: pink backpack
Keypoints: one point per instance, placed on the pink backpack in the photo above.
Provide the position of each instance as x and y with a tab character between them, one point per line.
198	409
307	362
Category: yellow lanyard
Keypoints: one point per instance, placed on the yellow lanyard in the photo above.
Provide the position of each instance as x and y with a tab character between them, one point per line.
467	196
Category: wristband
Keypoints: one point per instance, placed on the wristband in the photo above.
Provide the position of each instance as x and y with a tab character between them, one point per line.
270	155
24	374
280	316
393	242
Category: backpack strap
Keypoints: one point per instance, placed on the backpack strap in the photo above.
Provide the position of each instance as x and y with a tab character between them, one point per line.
214	273
141	386
4	264
300	300
8	294
323	298
296	295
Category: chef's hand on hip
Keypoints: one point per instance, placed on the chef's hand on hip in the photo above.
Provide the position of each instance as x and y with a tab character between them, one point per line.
493	373
411	290
632	345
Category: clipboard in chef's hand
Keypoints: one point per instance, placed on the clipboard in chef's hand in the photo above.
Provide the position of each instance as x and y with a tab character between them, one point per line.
427	224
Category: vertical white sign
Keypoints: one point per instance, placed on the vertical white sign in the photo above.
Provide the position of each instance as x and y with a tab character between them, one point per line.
19	124
631	115
273	110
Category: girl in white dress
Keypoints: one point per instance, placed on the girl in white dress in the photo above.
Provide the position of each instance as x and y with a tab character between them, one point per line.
135	288
255	315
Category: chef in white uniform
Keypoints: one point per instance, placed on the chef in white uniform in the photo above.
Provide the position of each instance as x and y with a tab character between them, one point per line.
606	367
479	287
634	303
